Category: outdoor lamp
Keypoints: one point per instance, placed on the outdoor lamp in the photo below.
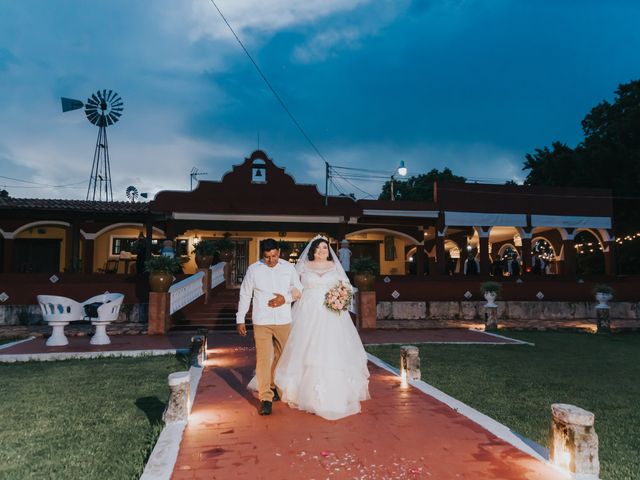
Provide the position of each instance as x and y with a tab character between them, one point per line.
402	170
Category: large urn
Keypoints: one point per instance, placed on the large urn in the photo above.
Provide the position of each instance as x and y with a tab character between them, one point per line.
160	281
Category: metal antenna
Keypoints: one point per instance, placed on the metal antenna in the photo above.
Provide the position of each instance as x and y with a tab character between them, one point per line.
194	174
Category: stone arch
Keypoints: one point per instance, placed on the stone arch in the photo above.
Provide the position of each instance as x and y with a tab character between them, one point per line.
39	223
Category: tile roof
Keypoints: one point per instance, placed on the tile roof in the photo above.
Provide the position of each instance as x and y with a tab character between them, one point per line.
72	205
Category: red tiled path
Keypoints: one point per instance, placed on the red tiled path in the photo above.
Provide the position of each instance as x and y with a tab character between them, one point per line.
400	434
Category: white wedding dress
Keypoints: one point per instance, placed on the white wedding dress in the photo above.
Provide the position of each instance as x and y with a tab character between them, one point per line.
323	368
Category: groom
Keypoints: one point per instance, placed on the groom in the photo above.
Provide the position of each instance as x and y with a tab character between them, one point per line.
270	282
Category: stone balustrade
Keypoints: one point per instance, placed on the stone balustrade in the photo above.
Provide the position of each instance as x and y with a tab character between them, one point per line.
186	291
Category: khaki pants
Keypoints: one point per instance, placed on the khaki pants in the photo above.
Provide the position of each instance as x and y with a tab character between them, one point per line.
270	341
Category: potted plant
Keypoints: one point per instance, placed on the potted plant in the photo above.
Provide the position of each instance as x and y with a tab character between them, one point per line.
365	270
161	270
204	251
225	247
603	294
490	291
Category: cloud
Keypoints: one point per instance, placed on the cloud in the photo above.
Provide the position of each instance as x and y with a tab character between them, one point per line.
253	18
320	46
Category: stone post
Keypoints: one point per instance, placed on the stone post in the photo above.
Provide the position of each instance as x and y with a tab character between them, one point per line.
159	318
604	320
410	362
490	318
574	442
178	405
197	352
367	310
203	332
206	283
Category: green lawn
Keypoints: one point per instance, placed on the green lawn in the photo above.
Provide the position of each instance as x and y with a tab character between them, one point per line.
88	419
517	384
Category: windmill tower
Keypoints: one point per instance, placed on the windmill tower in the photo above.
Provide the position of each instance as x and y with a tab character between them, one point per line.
103	109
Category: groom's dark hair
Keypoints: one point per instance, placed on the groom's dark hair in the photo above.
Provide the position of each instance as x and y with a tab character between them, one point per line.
268	244
312	249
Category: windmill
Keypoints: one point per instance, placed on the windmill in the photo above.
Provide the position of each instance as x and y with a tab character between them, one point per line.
132	193
103	109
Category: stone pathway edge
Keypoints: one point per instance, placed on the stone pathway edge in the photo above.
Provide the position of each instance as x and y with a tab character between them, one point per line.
46	357
496	428
11	344
165	452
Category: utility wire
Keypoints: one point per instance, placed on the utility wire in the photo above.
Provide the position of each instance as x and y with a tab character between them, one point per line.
37	183
273	90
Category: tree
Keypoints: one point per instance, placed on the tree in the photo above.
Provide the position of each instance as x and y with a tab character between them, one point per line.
608	157
4	194
418	187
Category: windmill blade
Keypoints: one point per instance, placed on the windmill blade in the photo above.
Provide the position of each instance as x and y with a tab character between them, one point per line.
104	94
112	119
95	99
117	111
109	95
69	104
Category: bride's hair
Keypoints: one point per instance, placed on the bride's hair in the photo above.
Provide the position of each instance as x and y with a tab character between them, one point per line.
314	246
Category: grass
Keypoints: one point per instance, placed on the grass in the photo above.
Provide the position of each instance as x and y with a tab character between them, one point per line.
89	419
517	384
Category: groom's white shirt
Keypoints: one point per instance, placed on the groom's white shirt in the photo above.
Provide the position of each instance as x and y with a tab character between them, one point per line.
261	282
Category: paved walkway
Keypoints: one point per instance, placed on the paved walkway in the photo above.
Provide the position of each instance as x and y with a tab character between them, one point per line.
400	434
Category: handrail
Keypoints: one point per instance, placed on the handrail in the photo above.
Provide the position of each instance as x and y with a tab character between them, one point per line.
185	291
217	274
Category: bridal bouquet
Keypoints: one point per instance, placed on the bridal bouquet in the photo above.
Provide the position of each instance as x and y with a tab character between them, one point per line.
338	298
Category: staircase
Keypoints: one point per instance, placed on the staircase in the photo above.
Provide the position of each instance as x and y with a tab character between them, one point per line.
218	314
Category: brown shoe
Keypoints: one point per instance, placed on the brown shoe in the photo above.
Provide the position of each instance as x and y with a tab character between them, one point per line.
265	408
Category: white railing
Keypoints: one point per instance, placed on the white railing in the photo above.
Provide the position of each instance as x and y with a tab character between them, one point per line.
353	308
217	274
186	291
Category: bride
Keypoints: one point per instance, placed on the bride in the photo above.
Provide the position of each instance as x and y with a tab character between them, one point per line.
323	367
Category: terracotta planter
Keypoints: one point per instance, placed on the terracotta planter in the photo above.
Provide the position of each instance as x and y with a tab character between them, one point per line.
204	261
160	281
364	281
226	255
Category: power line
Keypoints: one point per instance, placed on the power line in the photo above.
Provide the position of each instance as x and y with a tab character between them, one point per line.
37	183
273	90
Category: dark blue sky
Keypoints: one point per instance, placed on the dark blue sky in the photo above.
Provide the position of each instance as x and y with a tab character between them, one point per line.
469	85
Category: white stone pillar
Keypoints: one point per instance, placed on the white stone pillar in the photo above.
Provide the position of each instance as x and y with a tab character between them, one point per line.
574	442
410	362
178	405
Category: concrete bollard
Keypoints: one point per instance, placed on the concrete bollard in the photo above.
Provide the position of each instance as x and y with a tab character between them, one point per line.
490	318
204	332
196	353
410	362
178	405
574	442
